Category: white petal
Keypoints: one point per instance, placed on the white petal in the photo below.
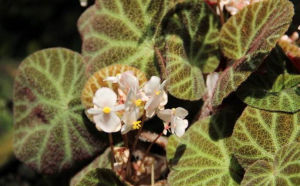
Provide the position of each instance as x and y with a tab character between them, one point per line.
125	129
130	96
108	122
165	115
113	79
94	111
181	112
163	84
118	108
105	97
128	81
179	126
152	105
211	83
163	99
129	117
152	85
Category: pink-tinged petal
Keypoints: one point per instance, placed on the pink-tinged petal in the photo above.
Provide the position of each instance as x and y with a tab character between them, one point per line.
179	126
108	122
165	115
181	112
152	85
128	81
94	111
105	97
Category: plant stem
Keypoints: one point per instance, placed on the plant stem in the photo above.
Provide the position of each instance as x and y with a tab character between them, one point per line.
111	142
125	139
150	146
221	13
128	167
139	132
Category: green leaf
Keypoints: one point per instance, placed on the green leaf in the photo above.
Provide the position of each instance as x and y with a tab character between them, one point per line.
283	96
185	81
247	38
285	170
96	177
256	28
191	47
51	134
272	88
259	134
198	27
122	32
102	161
201	156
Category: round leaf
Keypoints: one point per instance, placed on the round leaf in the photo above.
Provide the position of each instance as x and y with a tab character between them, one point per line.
247	38
256	28
200	160
283	96
185	81
259	134
285	170
122	32
50	132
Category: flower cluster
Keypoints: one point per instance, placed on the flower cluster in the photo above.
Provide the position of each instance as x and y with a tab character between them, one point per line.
113	113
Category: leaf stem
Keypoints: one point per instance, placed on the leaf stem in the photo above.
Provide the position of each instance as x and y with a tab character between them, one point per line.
161	63
111	143
150	146
221	13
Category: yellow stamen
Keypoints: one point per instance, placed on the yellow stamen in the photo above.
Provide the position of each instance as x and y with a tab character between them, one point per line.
138	102
106	110
173	110
157	92
136	125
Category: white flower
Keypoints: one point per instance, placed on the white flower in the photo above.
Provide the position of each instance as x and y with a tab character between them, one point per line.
130	121
157	97
104	110
176	118
126	81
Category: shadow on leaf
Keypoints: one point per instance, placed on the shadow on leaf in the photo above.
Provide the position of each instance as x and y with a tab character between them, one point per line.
178	154
222	123
236	170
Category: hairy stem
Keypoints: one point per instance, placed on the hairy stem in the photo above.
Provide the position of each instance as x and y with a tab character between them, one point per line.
162	63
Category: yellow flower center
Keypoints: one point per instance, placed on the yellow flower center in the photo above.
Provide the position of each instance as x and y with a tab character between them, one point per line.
138	102
173	110
106	110
157	92
136	125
